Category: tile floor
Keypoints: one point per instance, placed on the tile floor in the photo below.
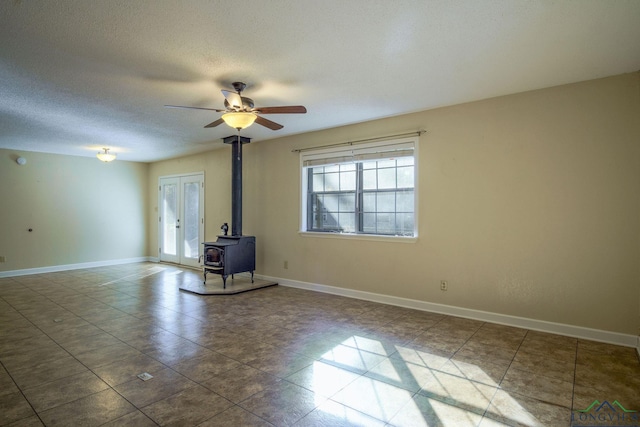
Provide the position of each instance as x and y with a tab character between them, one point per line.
72	344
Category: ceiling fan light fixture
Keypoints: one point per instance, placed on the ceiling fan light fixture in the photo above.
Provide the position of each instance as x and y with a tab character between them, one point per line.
106	156
239	120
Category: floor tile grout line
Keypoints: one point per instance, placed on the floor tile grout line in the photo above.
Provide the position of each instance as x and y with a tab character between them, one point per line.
368	330
90	394
575	373
167	366
23	395
498	387
79	361
495	388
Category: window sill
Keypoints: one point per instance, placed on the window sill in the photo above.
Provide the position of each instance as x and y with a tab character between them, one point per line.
350	236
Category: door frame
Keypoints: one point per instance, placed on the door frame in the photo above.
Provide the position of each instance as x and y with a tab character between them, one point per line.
179	257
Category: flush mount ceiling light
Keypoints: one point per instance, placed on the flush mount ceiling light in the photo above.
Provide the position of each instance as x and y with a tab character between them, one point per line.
106	156
239	120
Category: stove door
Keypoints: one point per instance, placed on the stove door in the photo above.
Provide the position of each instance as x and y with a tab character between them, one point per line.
214	256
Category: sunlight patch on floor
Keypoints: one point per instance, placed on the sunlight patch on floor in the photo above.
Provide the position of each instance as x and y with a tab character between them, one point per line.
423	389
149	272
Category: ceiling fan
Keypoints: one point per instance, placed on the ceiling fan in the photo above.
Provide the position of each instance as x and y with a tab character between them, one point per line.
240	111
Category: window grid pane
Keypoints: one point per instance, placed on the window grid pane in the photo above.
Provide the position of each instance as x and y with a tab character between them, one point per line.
385	188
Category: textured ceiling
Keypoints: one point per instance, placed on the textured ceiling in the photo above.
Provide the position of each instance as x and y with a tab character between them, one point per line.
79	75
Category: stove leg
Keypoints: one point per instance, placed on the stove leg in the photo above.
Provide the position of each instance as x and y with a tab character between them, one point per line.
251	276
204	271
224	281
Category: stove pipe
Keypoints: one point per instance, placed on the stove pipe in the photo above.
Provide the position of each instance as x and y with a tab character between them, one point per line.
236	142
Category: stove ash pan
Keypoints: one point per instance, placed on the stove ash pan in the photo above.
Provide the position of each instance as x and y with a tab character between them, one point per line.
230	255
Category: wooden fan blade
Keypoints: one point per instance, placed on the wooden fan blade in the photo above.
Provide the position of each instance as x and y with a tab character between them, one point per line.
291	109
194	108
234	100
214	124
268	123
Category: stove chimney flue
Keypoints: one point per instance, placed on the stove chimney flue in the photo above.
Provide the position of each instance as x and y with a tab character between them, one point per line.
236	142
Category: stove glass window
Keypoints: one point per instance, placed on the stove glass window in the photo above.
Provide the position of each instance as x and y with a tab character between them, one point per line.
213	256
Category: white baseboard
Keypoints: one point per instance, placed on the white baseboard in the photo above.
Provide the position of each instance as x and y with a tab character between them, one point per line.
626	340
56	268
638	347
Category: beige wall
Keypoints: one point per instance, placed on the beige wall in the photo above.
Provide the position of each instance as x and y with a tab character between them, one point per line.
80	209
529	205
216	166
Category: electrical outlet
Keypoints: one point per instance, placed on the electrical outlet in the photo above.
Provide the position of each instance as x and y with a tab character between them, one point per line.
444	285
286	265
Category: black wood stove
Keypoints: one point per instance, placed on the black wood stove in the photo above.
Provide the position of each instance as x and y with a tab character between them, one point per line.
235	253
230	255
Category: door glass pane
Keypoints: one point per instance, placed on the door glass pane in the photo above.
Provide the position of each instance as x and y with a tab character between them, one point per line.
191	194
169	215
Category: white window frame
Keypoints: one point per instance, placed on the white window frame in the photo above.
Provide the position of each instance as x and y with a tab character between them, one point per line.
343	154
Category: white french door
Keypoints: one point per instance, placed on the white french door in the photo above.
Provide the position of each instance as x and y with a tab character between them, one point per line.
181	218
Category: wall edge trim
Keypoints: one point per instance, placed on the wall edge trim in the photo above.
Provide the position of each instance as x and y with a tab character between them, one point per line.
599	335
79	266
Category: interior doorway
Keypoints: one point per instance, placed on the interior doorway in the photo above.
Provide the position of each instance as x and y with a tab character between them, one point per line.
181	218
